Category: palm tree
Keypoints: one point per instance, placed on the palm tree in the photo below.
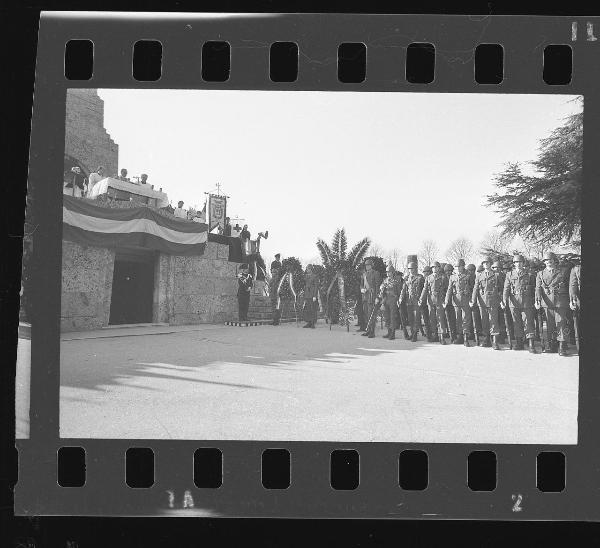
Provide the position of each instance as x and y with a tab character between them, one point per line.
340	265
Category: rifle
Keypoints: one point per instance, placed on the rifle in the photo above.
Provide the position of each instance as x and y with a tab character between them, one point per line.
541	317
576	326
376	308
475	334
506	312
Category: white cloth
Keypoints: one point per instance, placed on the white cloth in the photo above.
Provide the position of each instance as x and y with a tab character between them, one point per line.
102	186
69	191
92	180
180	212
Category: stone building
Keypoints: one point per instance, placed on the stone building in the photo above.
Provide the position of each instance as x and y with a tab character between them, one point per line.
87	143
103	286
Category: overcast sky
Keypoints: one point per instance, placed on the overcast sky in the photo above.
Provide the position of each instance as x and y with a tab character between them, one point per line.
397	167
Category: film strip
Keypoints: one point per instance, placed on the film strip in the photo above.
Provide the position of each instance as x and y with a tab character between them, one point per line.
344	476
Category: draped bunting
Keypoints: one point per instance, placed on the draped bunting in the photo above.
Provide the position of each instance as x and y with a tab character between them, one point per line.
89	224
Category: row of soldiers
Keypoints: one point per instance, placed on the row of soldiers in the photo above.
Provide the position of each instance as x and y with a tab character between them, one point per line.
484	304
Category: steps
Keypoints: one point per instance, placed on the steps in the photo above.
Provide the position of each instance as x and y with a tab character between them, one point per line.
260	309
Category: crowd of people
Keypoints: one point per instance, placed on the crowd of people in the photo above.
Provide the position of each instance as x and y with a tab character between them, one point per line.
492	304
76	184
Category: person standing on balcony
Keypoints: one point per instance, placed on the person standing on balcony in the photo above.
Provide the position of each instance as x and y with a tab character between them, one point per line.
179	212
94	178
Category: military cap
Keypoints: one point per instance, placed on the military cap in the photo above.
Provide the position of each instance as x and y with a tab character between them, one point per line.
497	264
549	256
461	262
412	265
518	258
369	261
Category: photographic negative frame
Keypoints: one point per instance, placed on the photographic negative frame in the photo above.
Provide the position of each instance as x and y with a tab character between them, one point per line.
310	494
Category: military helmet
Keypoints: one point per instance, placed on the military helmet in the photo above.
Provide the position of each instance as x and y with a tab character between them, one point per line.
448	266
480	268
518	258
549	256
427	269
460	262
497	264
437	264
471	266
369	261
412	265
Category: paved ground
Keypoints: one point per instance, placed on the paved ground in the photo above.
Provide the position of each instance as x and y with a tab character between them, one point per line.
286	383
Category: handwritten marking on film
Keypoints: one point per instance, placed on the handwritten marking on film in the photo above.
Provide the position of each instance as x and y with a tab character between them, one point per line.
517	505
188	500
589	32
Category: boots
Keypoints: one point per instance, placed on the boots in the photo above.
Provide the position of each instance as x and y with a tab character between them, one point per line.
388	334
276	316
466	340
406	335
436	338
495	346
460	339
414	336
562	350
442	339
486	342
519	344
392	334
532	345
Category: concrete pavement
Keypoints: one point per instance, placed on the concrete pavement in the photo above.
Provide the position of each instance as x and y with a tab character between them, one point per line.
286	383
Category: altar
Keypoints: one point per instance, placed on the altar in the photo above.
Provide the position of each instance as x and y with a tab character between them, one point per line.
128	191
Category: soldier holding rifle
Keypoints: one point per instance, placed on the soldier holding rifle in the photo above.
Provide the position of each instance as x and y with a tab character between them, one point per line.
518	295
574	287
389	293
486	294
460	289
411	291
369	288
552	293
434	293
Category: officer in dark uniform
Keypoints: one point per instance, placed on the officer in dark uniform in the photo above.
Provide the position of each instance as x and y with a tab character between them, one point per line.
311	295
552	292
434	293
389	293
409	297
243	294
460	289
574	289
486	295
276	264
425	306
519	295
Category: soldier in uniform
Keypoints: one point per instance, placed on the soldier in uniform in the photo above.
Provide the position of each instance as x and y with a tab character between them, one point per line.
434	293
476	316
425	306
497	268
574	288
360	316
402	311
369	288
552	292
409	297
449	311
460	289
311	291
389	293
486	295
519	294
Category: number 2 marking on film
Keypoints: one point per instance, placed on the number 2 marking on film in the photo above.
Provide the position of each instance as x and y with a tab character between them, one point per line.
517	505
589	31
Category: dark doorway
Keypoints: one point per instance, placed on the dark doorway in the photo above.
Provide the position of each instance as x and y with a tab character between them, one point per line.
132	289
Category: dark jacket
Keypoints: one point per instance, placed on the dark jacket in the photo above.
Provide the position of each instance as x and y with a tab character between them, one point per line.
244	284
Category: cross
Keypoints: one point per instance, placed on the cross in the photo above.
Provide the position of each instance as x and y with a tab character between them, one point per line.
237	219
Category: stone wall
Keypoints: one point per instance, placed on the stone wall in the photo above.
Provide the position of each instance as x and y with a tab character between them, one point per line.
87	274
86	140
197	289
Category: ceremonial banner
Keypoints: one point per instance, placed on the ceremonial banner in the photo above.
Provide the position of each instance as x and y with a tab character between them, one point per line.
89	224
217	206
